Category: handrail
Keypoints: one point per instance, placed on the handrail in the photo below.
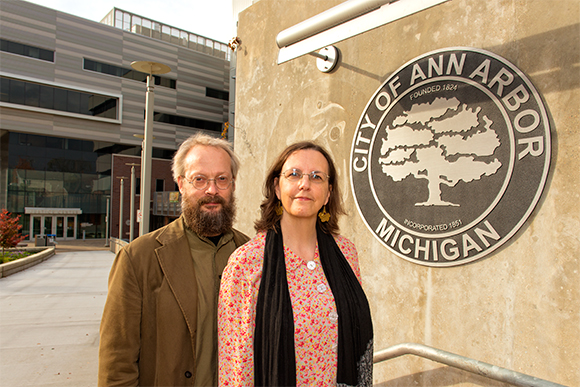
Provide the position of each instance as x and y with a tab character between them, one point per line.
467	364
327	19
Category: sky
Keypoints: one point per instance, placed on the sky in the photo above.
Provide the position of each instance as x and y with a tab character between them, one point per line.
210	18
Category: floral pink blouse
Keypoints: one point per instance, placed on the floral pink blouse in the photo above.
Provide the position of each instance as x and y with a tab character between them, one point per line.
315	317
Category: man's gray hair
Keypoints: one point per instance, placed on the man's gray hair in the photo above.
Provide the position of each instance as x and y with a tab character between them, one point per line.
178	167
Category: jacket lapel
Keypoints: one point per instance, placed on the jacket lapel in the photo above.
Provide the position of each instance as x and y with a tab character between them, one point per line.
175	261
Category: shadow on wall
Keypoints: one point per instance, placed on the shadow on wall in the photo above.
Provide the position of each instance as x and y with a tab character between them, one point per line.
553	51
546	55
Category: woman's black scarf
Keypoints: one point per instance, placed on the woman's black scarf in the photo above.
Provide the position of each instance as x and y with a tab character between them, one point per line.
274	354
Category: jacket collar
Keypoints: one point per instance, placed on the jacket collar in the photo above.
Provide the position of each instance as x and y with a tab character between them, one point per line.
174	231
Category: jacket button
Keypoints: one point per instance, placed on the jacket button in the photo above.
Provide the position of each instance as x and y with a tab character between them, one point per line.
188	374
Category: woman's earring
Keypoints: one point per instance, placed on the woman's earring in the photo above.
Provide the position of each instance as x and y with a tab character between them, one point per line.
324	216
279	209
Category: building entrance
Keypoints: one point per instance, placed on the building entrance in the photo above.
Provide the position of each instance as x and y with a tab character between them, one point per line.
63	227
61	223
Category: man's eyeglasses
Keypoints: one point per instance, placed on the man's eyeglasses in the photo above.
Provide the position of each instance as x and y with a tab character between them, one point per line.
295	175
201	182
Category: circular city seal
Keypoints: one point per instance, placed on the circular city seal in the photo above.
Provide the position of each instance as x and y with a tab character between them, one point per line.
450	156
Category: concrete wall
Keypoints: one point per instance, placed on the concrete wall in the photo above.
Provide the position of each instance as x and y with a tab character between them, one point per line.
519	307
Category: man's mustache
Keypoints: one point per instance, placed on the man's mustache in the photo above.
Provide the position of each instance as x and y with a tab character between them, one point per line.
212	200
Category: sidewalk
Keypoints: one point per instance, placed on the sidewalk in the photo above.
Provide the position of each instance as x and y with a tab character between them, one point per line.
50	316
78	245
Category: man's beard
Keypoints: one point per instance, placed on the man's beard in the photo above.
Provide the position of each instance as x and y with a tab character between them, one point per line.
209	223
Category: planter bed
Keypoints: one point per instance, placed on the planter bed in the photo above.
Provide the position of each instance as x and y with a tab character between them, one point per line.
41	254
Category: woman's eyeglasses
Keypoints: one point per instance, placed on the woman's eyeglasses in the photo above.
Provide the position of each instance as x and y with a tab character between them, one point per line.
295	175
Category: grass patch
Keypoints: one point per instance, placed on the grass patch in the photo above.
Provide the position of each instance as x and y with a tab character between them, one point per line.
12	255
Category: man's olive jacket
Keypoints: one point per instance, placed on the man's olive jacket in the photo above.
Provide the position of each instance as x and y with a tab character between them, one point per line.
148	329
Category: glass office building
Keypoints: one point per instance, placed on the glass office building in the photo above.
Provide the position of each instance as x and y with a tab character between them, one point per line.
59	173
70	102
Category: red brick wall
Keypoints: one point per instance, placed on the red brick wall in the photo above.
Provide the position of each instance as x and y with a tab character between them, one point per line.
161	169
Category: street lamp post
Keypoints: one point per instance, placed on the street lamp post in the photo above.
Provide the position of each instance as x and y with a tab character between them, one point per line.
132	217
149	68
107	223
121	204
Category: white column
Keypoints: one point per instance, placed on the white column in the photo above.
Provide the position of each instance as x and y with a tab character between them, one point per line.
132	216
146	158
107	224
121	212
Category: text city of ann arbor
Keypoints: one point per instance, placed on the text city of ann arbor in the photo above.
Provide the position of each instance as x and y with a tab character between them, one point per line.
529	144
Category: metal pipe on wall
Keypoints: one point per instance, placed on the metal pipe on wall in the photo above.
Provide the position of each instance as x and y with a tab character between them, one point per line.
327	19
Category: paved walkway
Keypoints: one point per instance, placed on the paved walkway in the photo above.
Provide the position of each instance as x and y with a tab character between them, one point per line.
78	245
50	316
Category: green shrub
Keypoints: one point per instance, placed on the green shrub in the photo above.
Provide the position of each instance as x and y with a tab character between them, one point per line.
12	255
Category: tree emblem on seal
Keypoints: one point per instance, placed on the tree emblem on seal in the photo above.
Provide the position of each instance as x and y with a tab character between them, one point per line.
441	151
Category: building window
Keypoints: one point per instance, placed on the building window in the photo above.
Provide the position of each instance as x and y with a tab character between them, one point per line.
187	121
219	94
26	50
166	154
56	98
159	185
117	71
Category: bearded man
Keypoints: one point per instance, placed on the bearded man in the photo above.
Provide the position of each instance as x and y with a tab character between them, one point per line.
159	325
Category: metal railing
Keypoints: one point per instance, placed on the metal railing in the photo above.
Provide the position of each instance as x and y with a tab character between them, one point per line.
464	363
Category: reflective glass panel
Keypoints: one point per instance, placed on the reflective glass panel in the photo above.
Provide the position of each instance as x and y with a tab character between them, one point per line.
32	94
36	223
70	228
59	226
47	225
46	97
35	180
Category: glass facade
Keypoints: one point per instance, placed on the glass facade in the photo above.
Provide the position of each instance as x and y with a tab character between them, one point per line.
147	27
187	121
26	50
219	94
34	94
57	172
117	71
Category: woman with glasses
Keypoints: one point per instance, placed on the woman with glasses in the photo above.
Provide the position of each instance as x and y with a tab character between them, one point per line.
292	311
